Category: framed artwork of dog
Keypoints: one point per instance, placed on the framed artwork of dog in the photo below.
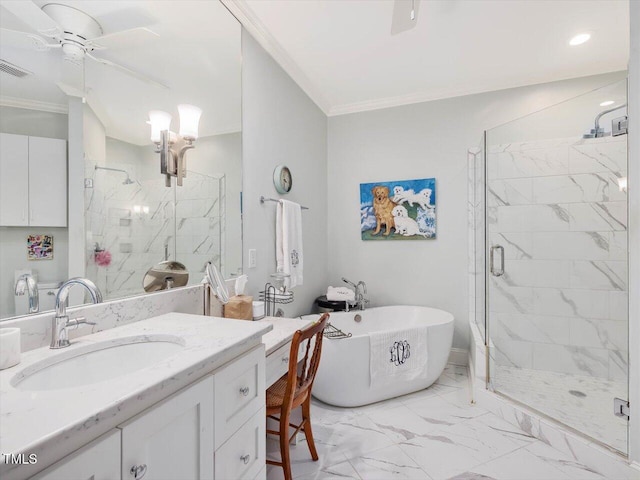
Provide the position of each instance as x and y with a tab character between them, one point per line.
399	210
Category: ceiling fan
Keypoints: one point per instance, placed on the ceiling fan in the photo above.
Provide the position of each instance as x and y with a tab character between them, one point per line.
405	15
76	34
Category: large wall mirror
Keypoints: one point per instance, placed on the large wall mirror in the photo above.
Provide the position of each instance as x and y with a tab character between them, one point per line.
81	191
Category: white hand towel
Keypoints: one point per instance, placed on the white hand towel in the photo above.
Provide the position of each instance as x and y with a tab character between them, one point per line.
340	294
399	354
289	257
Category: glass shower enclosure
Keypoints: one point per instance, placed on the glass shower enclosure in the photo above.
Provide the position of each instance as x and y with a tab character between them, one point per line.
553	287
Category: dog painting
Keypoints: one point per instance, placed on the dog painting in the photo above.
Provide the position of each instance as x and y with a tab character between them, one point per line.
400	210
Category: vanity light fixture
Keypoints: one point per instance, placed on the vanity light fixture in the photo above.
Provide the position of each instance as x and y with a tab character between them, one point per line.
173	147
607	103
579	39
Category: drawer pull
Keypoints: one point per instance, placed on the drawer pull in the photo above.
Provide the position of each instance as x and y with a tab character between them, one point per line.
244	391
245	458
138	471
285	359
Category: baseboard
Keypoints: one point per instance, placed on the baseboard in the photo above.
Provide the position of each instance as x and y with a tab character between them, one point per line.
459	356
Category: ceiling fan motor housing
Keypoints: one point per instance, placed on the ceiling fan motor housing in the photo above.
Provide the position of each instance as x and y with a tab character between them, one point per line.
78	29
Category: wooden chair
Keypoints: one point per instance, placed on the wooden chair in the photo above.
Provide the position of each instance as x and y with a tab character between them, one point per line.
293	390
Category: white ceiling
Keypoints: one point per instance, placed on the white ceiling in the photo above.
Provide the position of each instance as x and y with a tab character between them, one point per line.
197	54
344	56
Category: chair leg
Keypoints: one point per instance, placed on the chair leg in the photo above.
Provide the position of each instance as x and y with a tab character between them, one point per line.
284	446
308	433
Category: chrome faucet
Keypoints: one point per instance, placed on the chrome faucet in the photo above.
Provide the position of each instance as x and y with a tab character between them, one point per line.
61	323
26	283
360	289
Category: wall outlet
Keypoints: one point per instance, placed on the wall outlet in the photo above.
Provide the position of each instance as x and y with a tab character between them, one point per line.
252	258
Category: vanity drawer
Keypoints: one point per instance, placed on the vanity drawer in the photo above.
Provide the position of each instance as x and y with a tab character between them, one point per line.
239	393
242	457
278	363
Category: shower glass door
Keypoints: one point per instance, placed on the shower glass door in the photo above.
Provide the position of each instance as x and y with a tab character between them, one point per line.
557	262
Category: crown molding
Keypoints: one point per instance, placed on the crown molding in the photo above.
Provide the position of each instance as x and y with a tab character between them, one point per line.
259	32
33	105
419	97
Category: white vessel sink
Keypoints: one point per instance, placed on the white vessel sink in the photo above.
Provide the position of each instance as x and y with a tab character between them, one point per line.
97	362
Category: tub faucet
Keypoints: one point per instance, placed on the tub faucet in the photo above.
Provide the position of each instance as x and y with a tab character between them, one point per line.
359	289
61	323
26	283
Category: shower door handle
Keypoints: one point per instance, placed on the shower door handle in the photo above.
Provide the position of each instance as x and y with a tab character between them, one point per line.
500	271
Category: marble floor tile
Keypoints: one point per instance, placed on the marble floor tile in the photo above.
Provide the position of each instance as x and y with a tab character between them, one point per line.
434	434
580	401
564	463
387	464
518	465
447	409
342	470
351	438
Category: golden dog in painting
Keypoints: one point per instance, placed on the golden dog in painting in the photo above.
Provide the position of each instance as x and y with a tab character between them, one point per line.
383	207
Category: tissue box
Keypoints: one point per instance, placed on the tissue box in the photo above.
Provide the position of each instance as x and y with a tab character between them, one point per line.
239	307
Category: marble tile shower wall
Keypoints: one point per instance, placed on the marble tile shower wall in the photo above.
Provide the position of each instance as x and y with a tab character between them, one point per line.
144	223
556	208
200	222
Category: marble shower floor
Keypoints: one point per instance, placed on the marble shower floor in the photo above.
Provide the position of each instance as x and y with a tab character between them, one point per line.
581	402
435	434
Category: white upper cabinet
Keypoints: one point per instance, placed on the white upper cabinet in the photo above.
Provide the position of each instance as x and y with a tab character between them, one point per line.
47	182
33	181
14	180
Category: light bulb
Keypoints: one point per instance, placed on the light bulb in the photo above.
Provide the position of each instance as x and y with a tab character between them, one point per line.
159	121
189	119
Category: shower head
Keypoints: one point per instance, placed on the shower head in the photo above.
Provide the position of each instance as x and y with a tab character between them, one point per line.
598	131
127	181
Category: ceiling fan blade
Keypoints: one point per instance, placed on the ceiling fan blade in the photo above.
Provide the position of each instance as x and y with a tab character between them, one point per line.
122	19
128	71
15	38
124	39
405	15
71	90
29	13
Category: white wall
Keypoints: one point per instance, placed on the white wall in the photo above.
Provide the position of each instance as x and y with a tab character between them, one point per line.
281	125
420	141
634	231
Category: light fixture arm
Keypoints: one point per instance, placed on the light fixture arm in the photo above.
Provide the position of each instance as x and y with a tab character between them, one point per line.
173	161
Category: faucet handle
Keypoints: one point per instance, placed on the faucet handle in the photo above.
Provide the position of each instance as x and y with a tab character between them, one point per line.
79	321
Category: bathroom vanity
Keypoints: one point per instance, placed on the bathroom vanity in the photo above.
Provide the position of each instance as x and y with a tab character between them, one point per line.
188	404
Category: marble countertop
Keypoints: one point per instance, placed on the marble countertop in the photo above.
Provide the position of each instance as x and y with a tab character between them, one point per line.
282	333
54	423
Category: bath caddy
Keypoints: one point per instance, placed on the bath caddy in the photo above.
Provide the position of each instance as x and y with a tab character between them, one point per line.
271	296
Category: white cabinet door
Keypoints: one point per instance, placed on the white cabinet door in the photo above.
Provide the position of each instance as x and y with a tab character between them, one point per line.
99	460
173	440
14	180
47	182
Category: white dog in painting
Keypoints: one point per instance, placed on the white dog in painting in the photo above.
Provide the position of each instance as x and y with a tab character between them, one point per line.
404	224
423	198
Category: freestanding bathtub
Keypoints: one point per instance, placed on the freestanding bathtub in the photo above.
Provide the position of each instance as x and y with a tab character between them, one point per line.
343	377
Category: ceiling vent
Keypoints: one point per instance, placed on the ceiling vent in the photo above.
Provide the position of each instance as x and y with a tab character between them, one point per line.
11	69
